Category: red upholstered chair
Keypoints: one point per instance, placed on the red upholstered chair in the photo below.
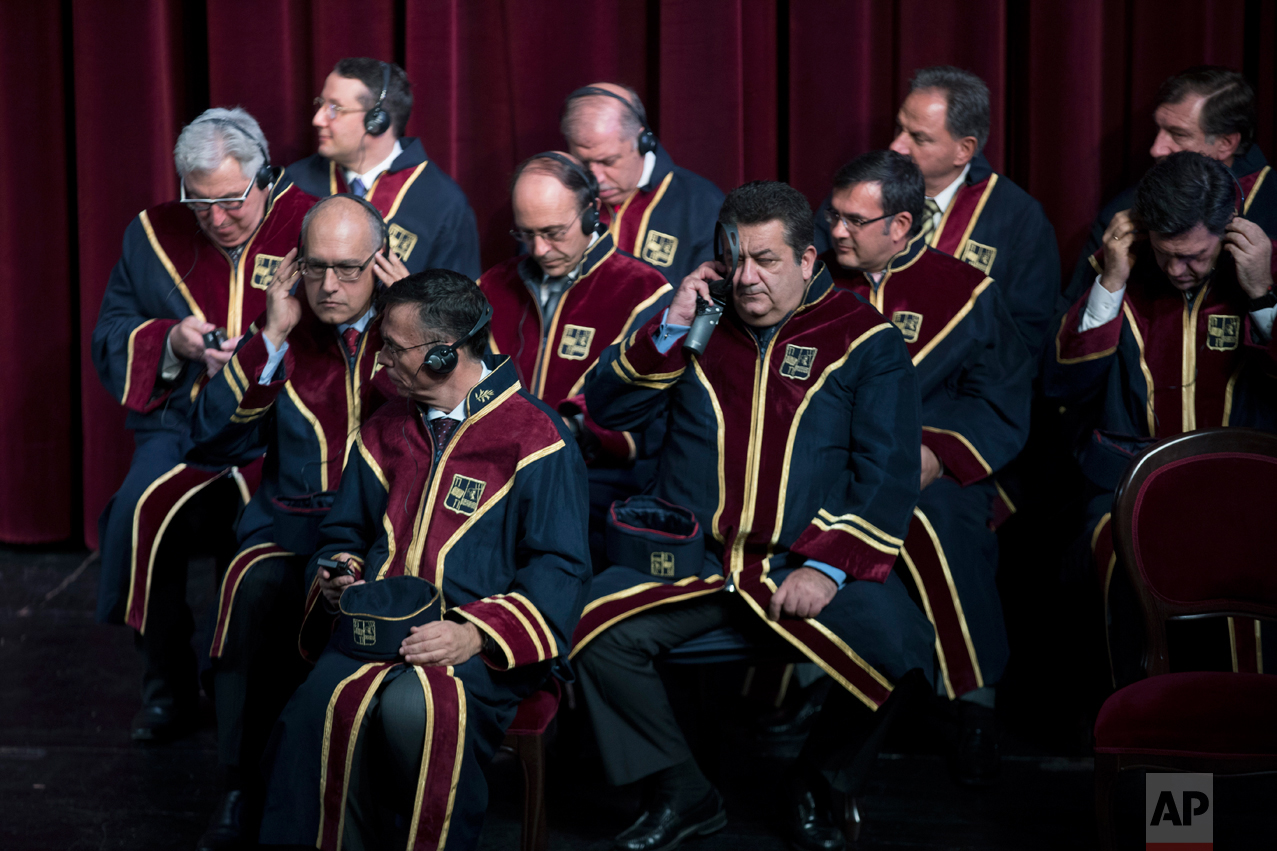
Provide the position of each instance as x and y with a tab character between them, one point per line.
1193	529
526	740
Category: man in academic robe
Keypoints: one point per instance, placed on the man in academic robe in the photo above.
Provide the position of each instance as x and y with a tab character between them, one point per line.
972	212
473	485
793	439
559	306
193	274
360	118
294	387
655	210
975	378
1175	334
1209	109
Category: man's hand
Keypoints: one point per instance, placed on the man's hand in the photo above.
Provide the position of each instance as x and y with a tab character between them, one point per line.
332	588
683	307
215	359
931	468
1252	251
283	309
803	594
389	269
1119	251
441	643
187	338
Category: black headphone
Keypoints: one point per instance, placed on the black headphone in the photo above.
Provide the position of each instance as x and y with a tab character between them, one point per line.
646	138
590	215
442	360
377	120
265	175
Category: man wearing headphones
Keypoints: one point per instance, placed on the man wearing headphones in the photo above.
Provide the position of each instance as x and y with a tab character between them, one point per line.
359	120
660	213
192	276
292	390
560	305
468	482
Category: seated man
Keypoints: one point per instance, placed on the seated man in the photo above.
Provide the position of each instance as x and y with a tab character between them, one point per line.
292	389
1211	110
975	377
472	484
794	440
191	270
1175	334
558	307
360	118
656	211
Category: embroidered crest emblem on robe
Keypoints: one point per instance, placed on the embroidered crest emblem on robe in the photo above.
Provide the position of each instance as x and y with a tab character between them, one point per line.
575	342
1223	332
979	256
797	363
365	632
402	241
663	564
908	323
263	270
659	248
464	495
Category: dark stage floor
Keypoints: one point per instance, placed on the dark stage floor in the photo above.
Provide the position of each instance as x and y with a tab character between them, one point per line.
71	778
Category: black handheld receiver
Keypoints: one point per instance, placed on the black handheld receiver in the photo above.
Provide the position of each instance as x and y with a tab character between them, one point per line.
335	568
215	338
708	313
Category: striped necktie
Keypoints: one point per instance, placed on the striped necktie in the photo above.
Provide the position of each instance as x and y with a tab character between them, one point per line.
930	210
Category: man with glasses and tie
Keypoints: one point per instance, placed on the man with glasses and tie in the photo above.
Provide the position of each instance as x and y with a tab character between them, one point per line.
299	383
360	118
193	274
557	307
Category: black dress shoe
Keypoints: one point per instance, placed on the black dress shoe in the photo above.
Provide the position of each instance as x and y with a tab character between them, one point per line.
976	761
661	828
225	828
812	826
159	724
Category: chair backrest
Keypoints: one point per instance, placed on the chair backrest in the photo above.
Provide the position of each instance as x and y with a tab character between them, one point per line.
1191	526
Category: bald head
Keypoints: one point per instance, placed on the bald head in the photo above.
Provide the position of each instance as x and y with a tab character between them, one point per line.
340	234
602	131
345	217
548	198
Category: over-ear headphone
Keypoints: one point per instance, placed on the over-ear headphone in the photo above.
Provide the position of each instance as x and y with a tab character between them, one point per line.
265	175
590	215
442	360
646	138
377	120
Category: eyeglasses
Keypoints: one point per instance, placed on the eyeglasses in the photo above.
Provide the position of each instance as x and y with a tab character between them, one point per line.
551	235
851	222
332	110
344	271
203	205
396	352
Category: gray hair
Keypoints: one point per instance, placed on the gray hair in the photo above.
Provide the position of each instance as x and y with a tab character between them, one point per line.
632	120
966	100
217	134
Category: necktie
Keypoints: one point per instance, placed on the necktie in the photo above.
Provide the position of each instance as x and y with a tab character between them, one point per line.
351	338
442	429
357	187
930	210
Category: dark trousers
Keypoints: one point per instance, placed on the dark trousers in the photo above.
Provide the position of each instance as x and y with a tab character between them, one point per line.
634	722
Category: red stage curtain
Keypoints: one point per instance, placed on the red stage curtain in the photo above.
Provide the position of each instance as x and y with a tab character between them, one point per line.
737	89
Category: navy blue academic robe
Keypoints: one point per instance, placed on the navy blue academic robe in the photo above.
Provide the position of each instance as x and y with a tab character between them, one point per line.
803	448
430	221
975	379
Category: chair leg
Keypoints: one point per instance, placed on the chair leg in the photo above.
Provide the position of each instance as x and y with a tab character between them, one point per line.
1106	771
531	753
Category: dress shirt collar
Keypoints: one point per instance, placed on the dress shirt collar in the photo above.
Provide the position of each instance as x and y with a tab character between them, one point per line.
458	413
649	166
371	174
944	196
359	324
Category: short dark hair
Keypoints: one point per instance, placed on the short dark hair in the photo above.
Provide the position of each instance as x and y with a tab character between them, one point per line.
376	224
447	303
1230	101
763	201
1184	190
578	180
903	189
398	101
966	100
